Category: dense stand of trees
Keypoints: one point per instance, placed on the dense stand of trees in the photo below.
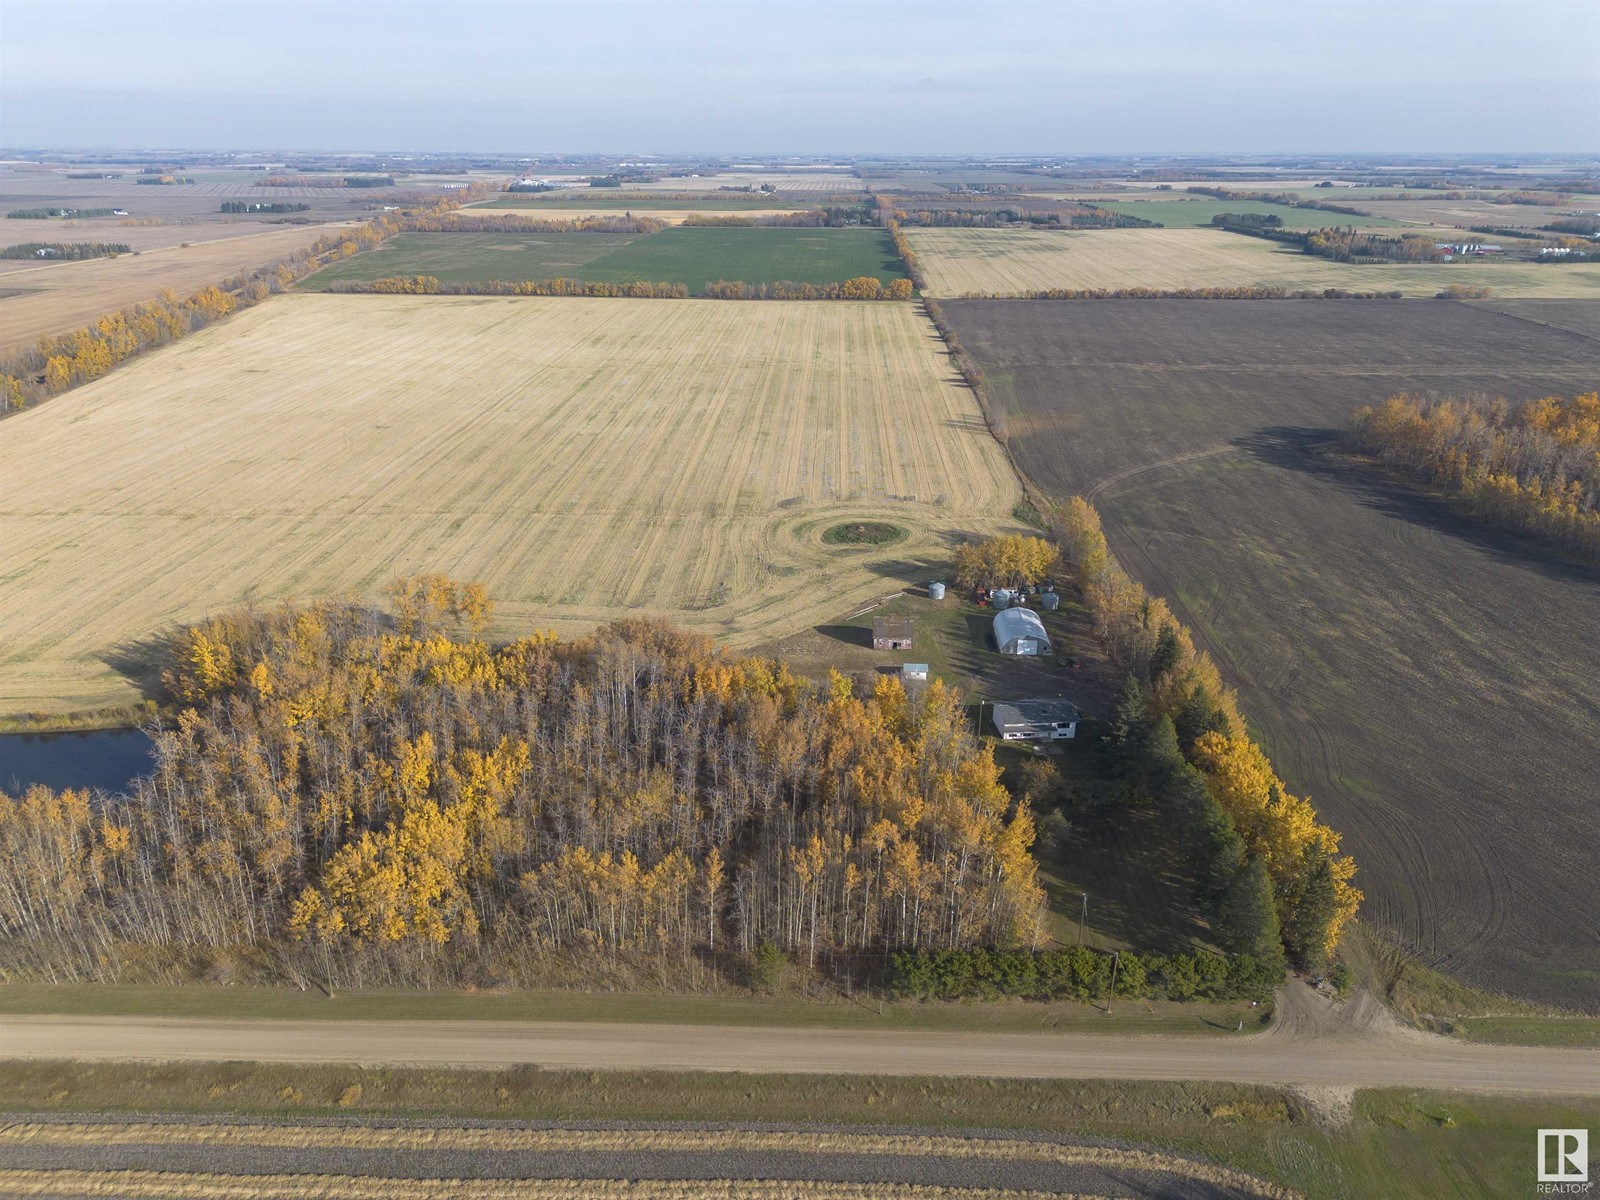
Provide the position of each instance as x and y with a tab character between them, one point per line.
488	221
1269	871
44	214
365	799
1532	467
65	251
1078	973
1288	199
1061	216
1340	243
1007	560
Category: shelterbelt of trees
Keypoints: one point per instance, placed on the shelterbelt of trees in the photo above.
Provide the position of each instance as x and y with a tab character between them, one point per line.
1532	467
1267	869
372	797
56	364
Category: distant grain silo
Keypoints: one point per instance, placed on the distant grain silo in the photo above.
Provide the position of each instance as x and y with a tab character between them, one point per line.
1049	601
936	591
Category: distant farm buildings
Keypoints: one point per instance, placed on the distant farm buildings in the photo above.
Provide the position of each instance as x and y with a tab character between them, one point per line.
891	633
1020	631
1476	249
914	672
1035	720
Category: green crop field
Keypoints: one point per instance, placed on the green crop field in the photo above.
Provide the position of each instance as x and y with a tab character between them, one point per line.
692	256
1198	210
471	257
696	255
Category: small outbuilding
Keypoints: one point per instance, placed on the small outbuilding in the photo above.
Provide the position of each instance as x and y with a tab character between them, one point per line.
891	633
914	672
1020	631
1035	720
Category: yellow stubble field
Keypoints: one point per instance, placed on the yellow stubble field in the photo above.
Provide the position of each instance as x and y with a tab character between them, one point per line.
583	458
1008	262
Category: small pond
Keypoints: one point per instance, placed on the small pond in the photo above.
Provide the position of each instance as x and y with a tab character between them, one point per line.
107	759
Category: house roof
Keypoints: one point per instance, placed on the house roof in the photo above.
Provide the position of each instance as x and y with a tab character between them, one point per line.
1012	623
895	627
1014	713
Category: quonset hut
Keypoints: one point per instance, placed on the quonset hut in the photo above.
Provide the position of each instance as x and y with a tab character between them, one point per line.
1020	631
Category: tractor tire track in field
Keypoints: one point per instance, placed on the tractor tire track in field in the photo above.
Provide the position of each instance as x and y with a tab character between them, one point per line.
1117	477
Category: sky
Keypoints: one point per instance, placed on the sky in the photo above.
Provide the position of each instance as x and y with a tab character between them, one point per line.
813	77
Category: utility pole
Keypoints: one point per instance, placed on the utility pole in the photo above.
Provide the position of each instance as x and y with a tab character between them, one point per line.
1116	957
1082	917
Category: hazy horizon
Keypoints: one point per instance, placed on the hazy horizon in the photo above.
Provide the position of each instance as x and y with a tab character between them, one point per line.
1153	77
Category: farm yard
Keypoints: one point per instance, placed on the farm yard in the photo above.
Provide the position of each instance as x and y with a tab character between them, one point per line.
691	255
1435	688
1009	262
585	459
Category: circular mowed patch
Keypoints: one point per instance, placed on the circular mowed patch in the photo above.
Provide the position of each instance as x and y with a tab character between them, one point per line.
864	533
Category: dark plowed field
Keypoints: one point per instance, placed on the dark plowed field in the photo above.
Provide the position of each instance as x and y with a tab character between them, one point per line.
1435	687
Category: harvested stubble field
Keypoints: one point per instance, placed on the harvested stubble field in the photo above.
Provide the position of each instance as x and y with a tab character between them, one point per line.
590	201
583	458
249	1159
1434	687
56	297
1009	262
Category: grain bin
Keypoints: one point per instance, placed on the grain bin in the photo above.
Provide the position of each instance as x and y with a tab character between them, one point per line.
936	590
1049	601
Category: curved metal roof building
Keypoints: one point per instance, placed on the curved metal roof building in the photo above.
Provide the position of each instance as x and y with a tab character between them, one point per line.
1020	631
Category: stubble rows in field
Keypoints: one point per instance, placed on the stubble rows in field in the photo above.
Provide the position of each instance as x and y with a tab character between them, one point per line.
583	458
1433	686
1004	262
53	298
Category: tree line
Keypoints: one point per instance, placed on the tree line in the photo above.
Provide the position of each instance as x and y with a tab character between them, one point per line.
1078	973
1270	872
45	214
452	221
828	217
1339	243
56	363
1532	467
65	251
1288	199
365	796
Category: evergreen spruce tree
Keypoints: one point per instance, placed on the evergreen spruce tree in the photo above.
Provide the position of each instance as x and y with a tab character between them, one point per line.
1247	920
1313	911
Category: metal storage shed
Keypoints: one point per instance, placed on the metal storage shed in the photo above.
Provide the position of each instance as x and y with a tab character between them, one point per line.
1019	631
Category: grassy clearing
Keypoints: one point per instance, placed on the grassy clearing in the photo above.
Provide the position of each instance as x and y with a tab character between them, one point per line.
471	257
1397	1144
1197	211
1163	1017
1007	262
583	458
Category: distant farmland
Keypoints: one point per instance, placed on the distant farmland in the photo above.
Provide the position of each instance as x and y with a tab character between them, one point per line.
1007	262
584	458
609	199
1434	687
692	256
1198	211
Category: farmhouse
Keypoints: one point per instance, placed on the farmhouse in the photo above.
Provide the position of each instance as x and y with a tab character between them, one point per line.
1035	720
1020	631
891	633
